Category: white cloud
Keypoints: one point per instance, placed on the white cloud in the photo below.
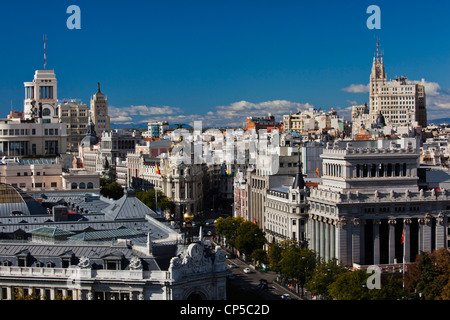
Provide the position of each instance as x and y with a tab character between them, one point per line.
356	88
142	110
235	114
121	119
432	89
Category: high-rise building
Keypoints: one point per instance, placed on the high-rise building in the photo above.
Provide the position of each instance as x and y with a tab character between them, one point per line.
39	131
99	112
400	101
41	97
76	115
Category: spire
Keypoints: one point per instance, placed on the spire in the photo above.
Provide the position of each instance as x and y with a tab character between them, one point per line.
299	182
378	52
98	84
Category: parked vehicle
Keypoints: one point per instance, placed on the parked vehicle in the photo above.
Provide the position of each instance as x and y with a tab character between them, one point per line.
247	270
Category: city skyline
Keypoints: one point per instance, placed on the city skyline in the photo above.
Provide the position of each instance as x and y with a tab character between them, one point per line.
221	62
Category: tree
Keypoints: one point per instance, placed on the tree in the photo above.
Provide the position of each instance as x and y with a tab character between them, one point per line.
274	253
259	255
429	276
298	264
249	238
149	199
228	228
112	190
324	275
274	256
350	286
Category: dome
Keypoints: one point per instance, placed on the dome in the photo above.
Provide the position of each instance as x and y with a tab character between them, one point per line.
91	138
14	201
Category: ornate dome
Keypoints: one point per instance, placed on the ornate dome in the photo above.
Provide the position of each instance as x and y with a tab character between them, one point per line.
91	138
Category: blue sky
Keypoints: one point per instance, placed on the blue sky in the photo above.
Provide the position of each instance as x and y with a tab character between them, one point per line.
220	61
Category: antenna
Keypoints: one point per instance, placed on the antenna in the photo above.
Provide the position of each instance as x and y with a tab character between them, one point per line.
45	53
378	55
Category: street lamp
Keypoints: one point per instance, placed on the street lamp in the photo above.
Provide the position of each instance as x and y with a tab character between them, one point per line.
188	218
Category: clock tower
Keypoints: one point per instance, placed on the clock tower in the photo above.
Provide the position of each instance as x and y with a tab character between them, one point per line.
377	80
99	112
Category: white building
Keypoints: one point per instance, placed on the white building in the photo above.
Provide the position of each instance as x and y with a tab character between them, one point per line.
400	101
368	196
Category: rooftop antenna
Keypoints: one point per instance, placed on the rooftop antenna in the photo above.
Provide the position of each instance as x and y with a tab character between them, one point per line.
45	53
378	55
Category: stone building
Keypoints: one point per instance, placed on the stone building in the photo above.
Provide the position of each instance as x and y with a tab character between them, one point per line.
368	197
100	250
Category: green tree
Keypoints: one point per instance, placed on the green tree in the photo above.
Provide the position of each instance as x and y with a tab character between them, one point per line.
350	285
249	238
259	255
298	264
274	256
149	199
228	227
324	275
391	289
112	190
274	253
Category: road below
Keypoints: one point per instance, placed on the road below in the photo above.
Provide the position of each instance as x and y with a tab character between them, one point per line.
250	281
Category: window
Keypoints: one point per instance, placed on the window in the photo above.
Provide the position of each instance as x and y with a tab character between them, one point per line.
46	112
82	185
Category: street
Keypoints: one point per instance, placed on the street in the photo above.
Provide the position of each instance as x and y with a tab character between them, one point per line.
249	282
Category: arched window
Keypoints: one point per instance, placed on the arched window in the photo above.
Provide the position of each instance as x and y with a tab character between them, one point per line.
90	185
46	112
74	185
82	185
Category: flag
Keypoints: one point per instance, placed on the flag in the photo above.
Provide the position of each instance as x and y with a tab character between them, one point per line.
157	169
317	171
254	221
403	236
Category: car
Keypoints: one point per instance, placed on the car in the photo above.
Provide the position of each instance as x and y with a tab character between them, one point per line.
247	270
286	296
231	265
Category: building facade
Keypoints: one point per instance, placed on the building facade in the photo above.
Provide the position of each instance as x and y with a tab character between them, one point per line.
99	112
368	198
400	101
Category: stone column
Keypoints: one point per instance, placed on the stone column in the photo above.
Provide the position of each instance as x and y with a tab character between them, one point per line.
333	239
341	238
322	238
441	227
376	241
311	235
392	223
317	234
356	241
407	243
426	232
327	240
